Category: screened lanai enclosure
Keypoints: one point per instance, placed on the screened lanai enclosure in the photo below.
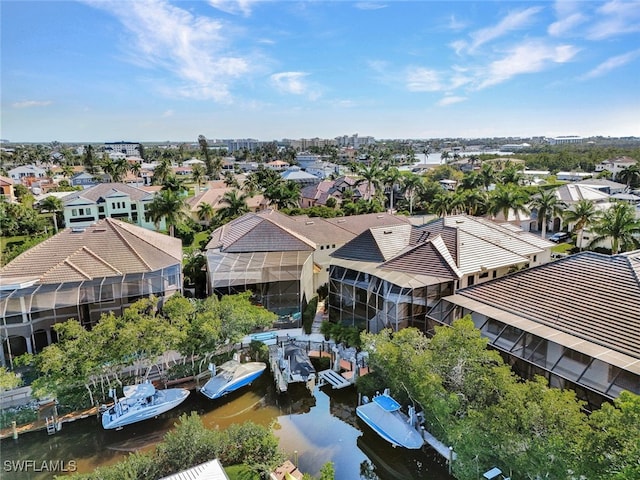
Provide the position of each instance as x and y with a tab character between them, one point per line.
371	298
282	282
595	372
30	309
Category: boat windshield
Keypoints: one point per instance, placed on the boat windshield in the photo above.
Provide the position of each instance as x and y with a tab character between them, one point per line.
387	403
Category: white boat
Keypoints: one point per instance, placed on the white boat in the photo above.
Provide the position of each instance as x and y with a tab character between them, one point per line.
141	402
231	376
383	415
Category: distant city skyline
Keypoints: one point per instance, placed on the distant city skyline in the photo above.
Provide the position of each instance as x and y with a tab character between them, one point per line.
154	70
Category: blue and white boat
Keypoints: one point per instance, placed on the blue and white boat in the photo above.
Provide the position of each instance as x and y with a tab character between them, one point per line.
231	376
141	402
383	415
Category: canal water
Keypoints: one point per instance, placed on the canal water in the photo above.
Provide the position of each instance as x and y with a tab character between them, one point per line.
313	428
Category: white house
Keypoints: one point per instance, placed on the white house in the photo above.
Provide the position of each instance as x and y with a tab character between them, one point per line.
26	171
108	200
615	165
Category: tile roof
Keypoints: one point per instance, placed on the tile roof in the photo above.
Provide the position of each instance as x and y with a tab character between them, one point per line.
108	248
103	190
283	232
376	244
574	192
591	296
430	256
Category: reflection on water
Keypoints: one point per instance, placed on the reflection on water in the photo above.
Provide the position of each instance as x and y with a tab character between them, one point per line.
314	428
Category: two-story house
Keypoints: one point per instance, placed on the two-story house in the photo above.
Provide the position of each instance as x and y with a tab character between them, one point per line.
109	200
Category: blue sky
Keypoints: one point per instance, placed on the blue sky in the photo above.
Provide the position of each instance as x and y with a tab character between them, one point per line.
155	70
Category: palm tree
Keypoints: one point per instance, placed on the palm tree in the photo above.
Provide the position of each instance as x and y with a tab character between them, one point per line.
630	175
391	178
444	156
512	174
198	174
410	186
169	205
161	172
581	214
53	205
120	168
230	180
441	204
205	212
67	171
475	201
506	198
372	176
174	184
283	194
620	225
471	181
548	206
487	174
135	168
236	204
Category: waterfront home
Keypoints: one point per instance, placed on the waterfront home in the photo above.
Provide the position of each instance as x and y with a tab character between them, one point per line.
109	200
388	277
281	259
575	321
214	196
82	273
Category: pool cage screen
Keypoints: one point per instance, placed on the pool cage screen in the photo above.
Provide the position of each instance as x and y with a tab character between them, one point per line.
282	282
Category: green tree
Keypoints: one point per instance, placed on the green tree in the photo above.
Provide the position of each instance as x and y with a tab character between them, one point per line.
52	205
8	380
198	175
630	175
161	172
205	212
391	178
548	206
508	198
411	185
236	205
581	215
170	206
618	224
611	450
372	175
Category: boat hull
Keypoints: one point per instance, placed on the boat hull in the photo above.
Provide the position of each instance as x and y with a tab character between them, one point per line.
394	427
123	414
218	386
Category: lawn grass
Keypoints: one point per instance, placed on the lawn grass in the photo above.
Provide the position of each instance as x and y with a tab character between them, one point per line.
240	472
562	248
6	241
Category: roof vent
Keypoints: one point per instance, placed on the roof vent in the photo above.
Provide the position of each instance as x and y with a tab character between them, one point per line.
77	230
380	216
310	222
99	230
387	232
342	220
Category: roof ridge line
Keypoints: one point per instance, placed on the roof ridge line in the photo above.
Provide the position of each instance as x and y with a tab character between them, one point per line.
135	252
100	259
72	265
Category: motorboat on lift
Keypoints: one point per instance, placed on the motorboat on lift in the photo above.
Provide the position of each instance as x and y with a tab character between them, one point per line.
383	415
231	376
141	402
295	364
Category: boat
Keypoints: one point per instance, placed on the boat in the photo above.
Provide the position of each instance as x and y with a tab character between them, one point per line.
231	376
295	364
141	402
383	415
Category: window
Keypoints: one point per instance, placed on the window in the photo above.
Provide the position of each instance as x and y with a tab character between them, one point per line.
495	273
471	280
577	356
321	247
74	212
484	275
535	257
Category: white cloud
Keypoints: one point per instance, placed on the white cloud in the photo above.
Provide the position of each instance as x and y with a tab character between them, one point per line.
370	5
419	79
192	49
233	7
616	18
513	21
529	57
450	100
31	103
290	82
566	24
167	113
612	63
455	24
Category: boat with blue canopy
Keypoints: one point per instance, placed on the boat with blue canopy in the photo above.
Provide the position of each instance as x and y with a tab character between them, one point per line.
384	416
